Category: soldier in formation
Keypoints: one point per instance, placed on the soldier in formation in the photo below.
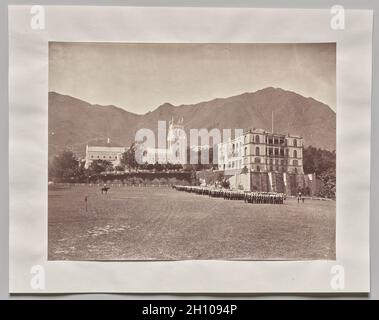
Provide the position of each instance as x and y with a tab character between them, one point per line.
254	197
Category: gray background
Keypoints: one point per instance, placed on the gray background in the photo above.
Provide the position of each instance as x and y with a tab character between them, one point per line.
4	203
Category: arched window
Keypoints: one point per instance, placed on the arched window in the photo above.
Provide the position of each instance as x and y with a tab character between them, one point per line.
257	150
295	163
295	153
257	160
294	142
258	168
257	139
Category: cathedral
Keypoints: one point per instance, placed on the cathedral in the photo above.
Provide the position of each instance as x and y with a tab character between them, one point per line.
175	153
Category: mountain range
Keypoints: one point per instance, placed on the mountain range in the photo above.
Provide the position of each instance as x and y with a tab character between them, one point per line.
73	123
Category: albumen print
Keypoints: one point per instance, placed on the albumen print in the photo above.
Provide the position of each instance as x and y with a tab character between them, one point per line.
191	151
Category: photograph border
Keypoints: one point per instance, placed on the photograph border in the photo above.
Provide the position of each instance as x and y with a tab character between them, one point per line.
28	135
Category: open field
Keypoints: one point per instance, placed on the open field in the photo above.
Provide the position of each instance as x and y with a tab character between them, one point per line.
142	223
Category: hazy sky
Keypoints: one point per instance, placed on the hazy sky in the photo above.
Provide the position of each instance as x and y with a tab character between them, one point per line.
140	77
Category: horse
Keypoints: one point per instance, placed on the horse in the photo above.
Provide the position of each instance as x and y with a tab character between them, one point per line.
105	189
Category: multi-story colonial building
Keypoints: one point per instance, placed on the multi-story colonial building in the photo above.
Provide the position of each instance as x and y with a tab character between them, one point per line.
230	154
262	151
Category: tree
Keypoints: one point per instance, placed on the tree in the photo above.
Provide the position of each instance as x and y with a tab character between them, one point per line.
144	166
328	184
188	167
98	166
323	164
81	174
158	166
119	168
128	158
225	184
318	160
177	167
150	167
64	166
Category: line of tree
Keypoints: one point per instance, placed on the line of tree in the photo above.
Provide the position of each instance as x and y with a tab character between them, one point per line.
66	167
128	161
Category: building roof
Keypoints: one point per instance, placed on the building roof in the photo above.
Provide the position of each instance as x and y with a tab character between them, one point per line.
262	131
106	149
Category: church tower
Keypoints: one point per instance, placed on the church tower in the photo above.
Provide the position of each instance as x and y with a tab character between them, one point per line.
176	142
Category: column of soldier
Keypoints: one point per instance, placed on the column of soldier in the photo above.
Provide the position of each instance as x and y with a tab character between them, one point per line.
246	196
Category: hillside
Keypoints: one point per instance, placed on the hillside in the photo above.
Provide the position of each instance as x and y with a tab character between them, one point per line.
73	123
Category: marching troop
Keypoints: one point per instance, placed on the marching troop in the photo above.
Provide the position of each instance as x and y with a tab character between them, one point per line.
246	196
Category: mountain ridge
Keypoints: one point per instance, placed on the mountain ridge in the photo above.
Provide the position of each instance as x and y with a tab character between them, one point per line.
74	122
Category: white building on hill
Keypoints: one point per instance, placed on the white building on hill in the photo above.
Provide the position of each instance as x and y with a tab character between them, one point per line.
108	151
262	151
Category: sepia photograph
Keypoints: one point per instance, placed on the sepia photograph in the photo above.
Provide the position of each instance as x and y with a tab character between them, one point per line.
191	151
